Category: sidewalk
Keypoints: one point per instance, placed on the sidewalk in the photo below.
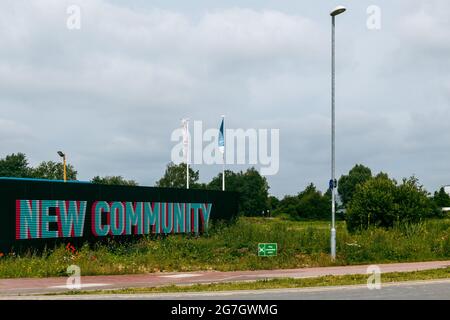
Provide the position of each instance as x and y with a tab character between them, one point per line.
58	285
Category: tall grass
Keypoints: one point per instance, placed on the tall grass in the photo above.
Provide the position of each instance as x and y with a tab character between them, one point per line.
234	247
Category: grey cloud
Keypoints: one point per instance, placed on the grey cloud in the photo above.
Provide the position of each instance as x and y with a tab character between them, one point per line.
111	93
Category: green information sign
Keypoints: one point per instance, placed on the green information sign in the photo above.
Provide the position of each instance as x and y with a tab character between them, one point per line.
267	249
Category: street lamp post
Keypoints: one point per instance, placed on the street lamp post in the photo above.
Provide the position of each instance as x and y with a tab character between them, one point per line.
338	10
63	156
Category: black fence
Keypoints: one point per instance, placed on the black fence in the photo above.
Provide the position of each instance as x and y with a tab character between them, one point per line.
39	213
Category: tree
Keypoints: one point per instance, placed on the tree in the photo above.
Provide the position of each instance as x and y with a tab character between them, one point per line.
441	198
371	204
175	177
232	180
288	205
15	165
53	171
381	202
113	180
413	202
347	183
254	192
272	203
308	204
313	204
252	187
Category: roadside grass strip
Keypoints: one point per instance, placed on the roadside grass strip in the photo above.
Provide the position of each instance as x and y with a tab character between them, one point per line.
279	283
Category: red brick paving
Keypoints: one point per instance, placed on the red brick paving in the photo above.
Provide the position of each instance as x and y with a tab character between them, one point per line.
44	285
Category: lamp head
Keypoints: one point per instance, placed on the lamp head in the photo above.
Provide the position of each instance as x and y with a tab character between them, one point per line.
338	10
61	154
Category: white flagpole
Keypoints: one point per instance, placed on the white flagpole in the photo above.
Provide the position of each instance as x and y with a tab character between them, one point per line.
223	172
187	154
223	156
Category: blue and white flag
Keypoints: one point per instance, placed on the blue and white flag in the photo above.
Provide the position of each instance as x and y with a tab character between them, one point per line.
221	137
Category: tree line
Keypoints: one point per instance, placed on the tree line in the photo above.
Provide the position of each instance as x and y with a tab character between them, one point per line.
252	187
380	201
16	165
365	200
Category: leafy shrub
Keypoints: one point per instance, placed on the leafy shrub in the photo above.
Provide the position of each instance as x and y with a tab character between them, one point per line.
308	204
253	190
380	202
441	198
348	183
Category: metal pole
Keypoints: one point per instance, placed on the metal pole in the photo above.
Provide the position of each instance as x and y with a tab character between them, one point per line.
187	155
223	173
64	168
333	178
223	156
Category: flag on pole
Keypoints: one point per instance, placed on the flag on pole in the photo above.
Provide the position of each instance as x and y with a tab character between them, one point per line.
221	138
222	150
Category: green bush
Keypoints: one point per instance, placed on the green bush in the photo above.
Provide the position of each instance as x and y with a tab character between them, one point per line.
380	202
441	198
308	204
253	190
413	202
348	183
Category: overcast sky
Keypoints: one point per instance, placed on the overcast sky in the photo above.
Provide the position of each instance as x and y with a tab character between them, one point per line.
111	93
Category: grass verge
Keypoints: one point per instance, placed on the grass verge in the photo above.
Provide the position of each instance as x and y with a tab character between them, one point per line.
443	273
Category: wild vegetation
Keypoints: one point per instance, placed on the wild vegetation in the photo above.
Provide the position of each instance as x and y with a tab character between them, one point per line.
384	221
234	247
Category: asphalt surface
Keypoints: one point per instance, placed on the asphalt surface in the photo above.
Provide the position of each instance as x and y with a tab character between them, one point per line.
11	287
419	290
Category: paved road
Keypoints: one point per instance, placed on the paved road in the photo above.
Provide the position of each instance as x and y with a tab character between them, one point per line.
10	287
419	290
